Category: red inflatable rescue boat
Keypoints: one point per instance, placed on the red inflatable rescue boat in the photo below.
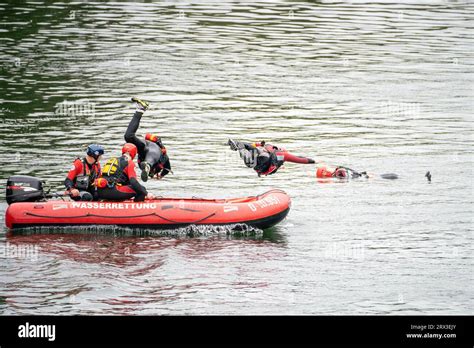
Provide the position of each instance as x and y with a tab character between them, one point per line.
261	211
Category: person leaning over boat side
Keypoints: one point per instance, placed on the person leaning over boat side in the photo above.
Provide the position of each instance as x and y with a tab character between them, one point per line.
80	179
264	158
152	154
119	179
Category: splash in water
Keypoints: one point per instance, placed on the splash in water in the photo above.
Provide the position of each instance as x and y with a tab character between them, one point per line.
235	230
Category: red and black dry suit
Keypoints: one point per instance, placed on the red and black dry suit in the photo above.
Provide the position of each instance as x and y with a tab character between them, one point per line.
151	151
82	177
266	159
122	183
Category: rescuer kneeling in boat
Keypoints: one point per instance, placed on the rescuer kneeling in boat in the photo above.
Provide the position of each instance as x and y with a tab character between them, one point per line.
119	179
152	157
80	179
264	158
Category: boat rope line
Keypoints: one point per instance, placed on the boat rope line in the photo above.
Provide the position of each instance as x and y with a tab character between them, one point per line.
268	192
222	200
119	217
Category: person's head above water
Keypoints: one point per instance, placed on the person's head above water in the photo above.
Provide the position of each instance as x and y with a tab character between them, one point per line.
340	173
129	149
331	172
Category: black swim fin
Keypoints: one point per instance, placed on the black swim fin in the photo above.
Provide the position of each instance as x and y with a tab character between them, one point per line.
389	176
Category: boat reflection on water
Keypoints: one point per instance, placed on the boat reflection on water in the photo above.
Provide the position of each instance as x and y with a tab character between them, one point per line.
124	246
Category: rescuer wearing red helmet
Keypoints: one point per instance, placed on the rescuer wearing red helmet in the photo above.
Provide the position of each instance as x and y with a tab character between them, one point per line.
152	155
119	179
131	149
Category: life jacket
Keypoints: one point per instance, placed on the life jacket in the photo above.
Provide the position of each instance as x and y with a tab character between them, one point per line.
90	172
270	167
114	172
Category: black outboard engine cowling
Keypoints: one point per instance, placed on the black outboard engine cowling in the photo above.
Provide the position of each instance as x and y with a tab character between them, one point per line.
24	188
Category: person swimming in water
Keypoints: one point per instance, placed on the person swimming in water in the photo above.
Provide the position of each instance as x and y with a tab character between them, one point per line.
344	173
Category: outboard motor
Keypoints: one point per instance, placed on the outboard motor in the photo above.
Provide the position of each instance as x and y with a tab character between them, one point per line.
23	188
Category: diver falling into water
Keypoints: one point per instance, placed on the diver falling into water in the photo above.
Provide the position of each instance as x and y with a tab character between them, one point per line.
265	158
152	155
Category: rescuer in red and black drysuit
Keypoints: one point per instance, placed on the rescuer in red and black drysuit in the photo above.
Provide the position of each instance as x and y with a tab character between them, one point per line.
81	178
118	181
264	158
152	154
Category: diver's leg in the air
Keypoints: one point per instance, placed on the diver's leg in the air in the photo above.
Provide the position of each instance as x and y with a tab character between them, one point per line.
130	134
247	151
238	145
249	157
234	144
